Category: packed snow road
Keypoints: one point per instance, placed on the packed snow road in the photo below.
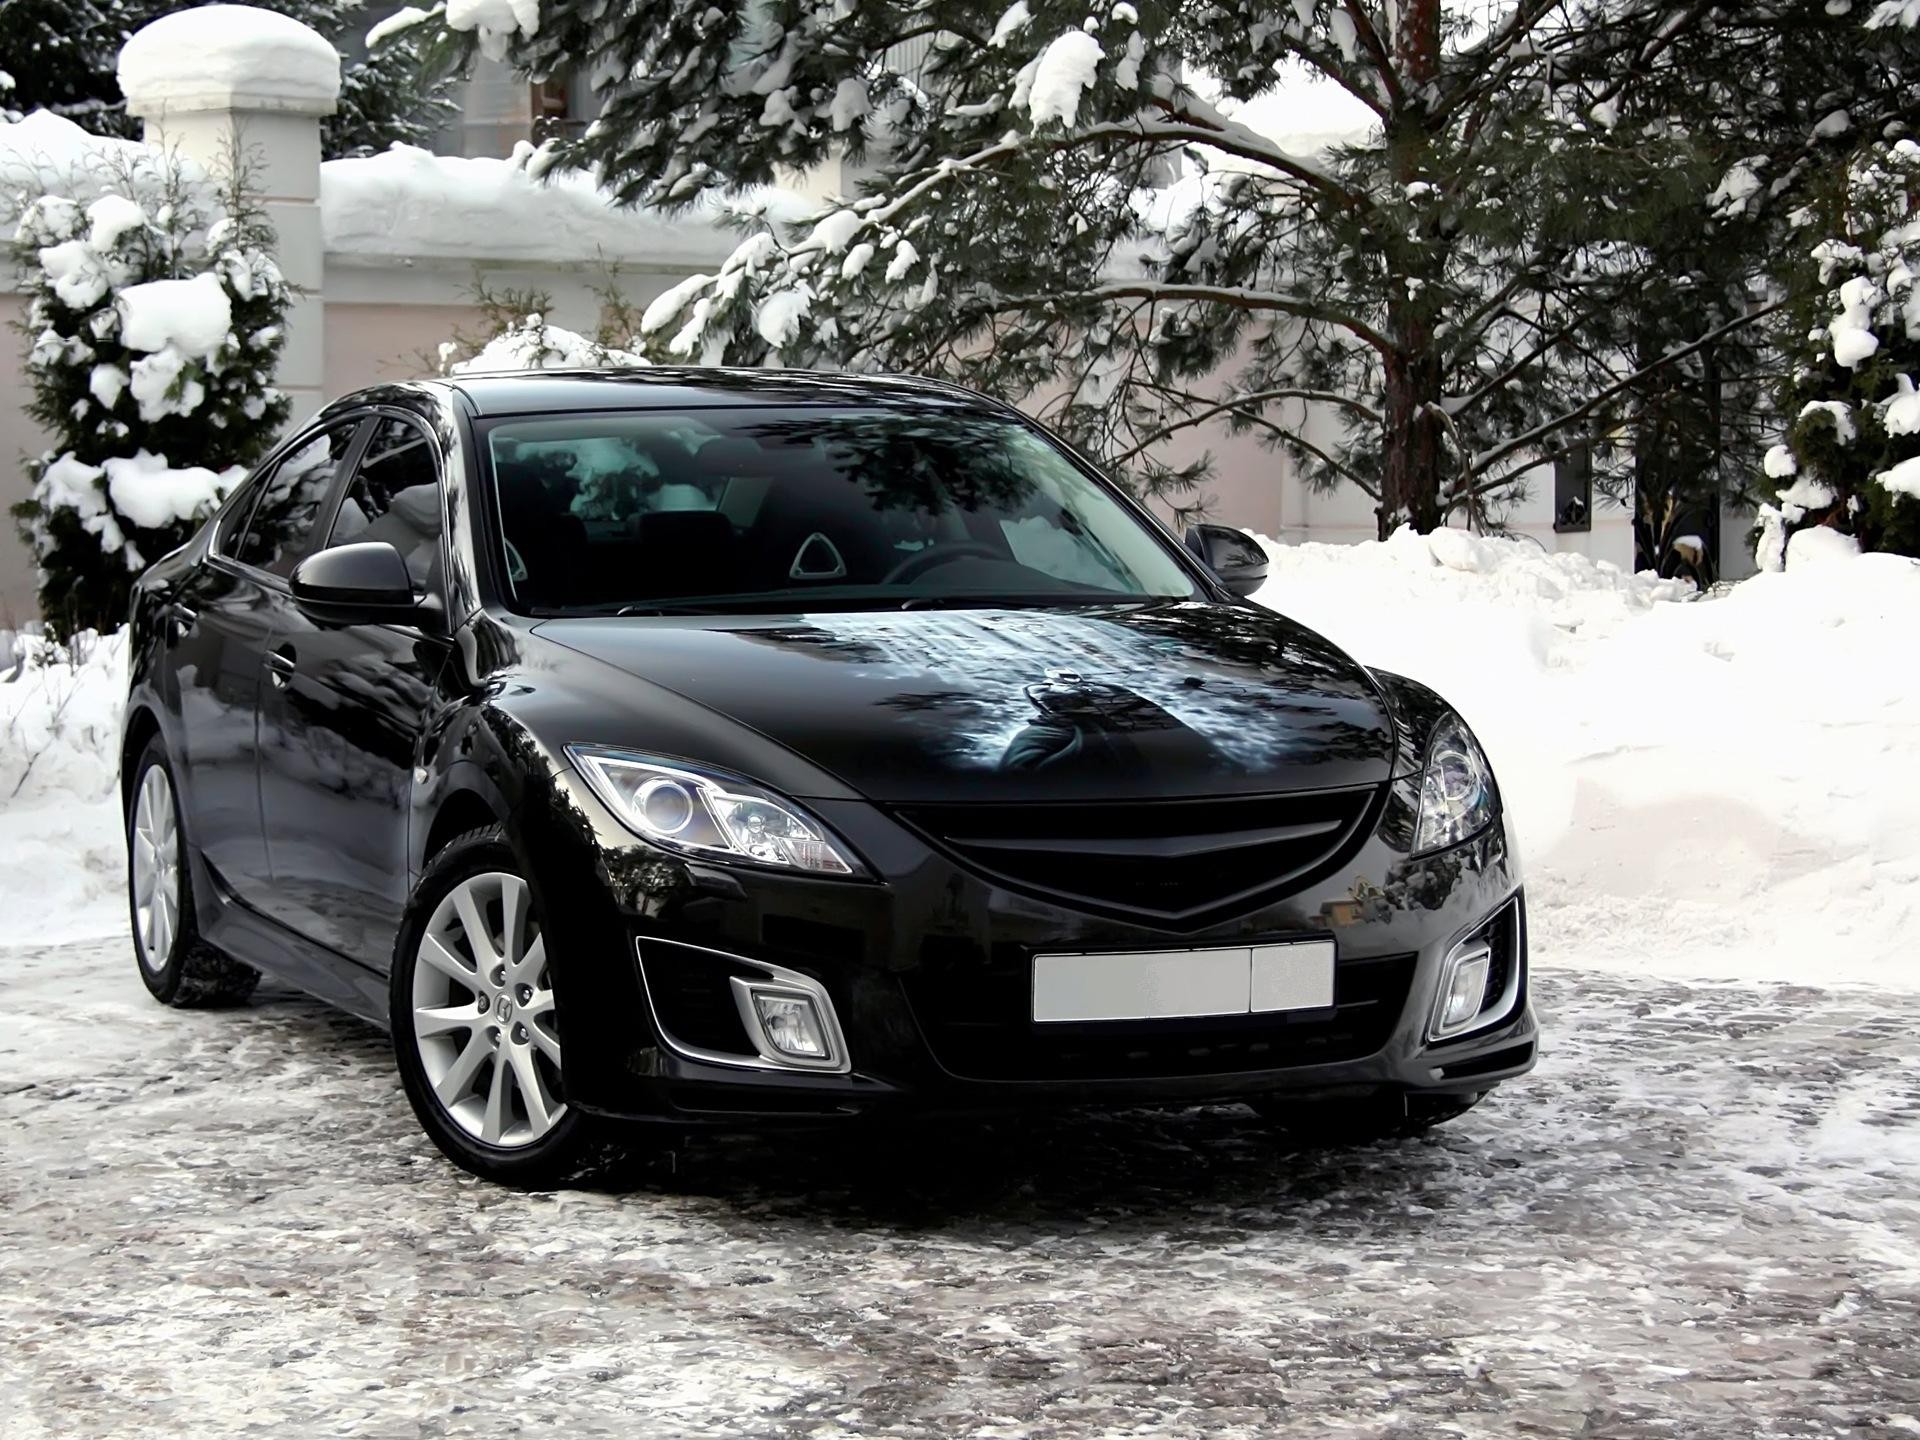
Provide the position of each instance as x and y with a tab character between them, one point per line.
1700	1218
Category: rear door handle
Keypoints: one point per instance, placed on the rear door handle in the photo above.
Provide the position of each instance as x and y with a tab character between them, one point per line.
280	667
181	619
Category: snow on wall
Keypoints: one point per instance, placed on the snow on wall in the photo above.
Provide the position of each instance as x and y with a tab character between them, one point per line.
193	55
410	202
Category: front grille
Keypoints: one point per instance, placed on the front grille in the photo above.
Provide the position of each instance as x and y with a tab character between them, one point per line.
1182	860
976	1021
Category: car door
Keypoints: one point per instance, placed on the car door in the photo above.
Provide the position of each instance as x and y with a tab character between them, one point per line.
218	626
342	714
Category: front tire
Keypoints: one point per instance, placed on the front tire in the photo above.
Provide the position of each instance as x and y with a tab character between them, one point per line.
1333	1123
472	1016
177	965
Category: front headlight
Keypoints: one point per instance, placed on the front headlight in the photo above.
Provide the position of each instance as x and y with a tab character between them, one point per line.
712	815
1456	789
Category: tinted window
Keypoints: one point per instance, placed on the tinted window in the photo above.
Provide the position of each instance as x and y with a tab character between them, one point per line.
282	526
818	507
395	496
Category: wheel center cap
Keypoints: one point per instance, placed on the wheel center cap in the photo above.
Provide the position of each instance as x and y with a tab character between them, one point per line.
503	1008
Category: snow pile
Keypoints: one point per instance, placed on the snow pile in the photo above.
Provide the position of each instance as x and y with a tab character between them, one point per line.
64	856
1720	786
410	202
45	154
214	51
533	344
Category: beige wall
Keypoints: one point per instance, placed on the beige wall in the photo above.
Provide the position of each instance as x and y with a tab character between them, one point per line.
20	439
369	344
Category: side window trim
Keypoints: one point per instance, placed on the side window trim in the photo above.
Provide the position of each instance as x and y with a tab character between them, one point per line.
350	471
349	460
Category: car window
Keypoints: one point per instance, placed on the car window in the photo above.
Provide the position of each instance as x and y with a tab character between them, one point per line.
817	506
395	496
281	529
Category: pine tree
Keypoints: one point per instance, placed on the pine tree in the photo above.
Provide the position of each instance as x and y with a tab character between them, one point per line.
1426	313
63	54
1851	456
156	322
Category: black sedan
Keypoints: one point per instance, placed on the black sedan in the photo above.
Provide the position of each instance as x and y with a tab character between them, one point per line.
729	748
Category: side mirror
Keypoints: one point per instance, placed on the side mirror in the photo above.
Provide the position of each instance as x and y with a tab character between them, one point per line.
1233	555
362	584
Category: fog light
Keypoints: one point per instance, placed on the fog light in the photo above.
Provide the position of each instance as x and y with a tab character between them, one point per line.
1463	990
792	1026
790	1020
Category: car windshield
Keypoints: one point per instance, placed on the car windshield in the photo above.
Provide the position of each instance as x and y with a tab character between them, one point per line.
742	509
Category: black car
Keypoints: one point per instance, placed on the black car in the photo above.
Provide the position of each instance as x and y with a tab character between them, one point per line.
728	748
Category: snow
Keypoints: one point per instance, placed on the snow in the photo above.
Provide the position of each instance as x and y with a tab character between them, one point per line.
211	51
494	22
110	218
403	19
1820	545
533	344
191	315
1852	330
1065	70
1904	478
1712	787
1010	23
45	152
64	858
408	203
150	493
779	315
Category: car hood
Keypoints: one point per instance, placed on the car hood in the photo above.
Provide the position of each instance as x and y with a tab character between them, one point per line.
1111	702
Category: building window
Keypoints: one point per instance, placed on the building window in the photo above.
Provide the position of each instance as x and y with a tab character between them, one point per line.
1573	488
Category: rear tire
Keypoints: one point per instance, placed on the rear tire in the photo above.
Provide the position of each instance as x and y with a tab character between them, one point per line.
473	1023
1333	1123
179	967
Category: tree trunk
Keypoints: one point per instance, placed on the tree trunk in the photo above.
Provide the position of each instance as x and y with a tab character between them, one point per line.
1414	454
1415	458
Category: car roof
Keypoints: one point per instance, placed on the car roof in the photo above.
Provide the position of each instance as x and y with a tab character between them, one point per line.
519	392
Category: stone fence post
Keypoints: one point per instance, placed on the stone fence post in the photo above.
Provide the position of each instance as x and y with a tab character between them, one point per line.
225	79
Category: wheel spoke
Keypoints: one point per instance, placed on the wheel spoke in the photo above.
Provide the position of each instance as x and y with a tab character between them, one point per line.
533	1093
439	1019
475	926
527	972
460	1074
513	909
433	953
549	1046
495	1123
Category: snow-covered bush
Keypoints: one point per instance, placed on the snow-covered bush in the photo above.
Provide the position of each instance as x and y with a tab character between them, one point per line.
156	321
1851	457
514	334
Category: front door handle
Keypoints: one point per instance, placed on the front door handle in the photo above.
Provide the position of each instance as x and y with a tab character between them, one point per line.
280	667
180	620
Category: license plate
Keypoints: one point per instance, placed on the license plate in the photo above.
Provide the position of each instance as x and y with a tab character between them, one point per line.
1183	984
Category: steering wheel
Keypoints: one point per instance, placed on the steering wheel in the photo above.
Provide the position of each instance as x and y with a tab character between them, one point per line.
914	566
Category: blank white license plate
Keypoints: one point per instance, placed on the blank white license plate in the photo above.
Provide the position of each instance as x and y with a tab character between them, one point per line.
1180	984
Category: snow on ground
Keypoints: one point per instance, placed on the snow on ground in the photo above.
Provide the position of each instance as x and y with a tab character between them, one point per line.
1709	787
1717	786
1696	1221
61	852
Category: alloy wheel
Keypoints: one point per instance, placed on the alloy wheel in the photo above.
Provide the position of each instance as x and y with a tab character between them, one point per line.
155	845
483	1013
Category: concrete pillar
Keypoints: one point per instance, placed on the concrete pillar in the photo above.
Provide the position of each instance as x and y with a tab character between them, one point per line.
224	79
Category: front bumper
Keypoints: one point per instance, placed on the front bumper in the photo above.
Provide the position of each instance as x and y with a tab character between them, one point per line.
928	970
